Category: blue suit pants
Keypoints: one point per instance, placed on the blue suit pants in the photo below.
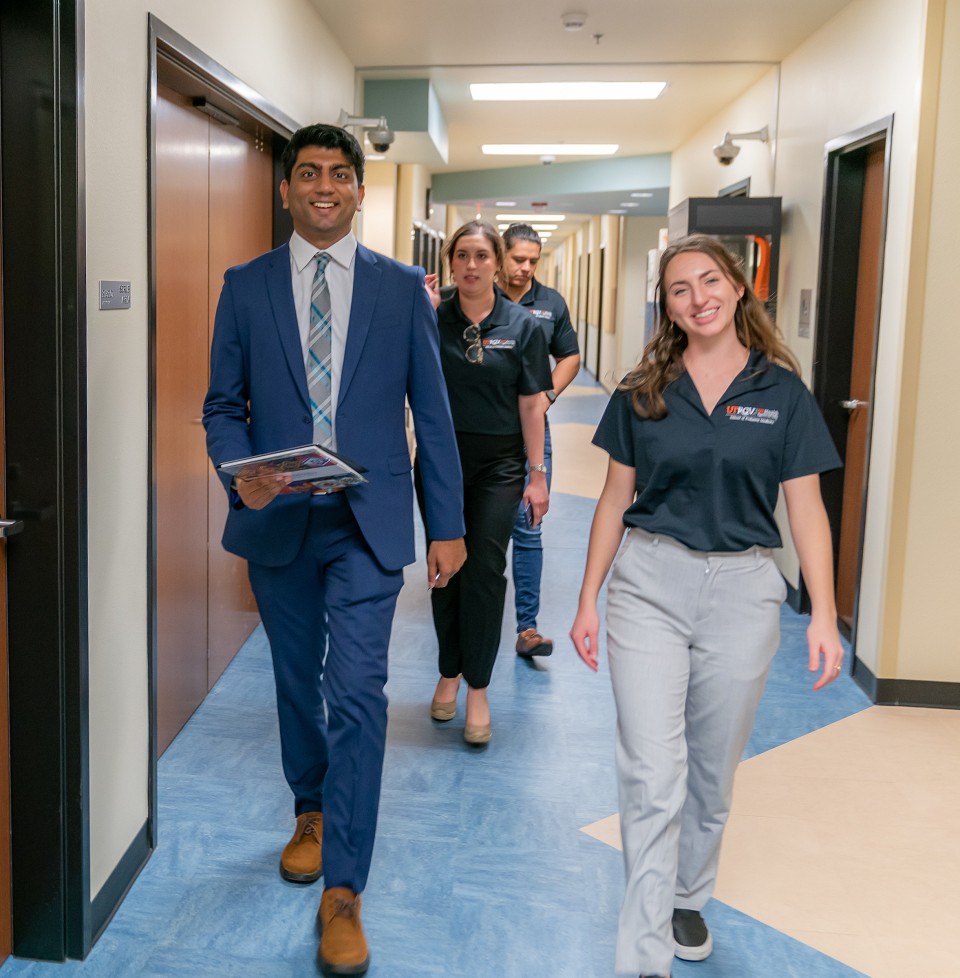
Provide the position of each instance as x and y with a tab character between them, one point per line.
328	616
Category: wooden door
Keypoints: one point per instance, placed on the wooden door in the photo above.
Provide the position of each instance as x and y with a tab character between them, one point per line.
241	182
861	381
213	210
182	151
856	182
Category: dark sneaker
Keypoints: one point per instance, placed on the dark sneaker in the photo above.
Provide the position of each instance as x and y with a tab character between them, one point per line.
691	939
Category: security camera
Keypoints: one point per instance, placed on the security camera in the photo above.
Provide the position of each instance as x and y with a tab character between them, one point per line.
547	159
379	134
726	152
381	137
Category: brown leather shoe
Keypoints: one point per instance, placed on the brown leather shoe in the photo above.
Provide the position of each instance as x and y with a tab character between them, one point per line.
343	948
301	861
531	642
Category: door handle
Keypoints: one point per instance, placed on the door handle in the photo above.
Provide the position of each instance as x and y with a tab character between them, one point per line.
853	404
9	527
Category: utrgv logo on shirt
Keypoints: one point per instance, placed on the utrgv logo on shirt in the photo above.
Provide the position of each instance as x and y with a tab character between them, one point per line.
541	313
757	415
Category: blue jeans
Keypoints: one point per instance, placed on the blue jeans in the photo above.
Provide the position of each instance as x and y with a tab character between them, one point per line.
528	553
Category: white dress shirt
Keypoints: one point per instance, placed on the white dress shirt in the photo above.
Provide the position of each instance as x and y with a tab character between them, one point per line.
340	269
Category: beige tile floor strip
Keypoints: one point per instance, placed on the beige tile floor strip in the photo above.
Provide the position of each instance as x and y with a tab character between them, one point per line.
846	839
579	467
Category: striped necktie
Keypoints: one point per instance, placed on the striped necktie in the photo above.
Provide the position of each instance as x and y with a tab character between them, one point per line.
319	367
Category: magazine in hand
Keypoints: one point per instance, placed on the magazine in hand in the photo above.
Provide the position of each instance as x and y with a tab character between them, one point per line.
310	468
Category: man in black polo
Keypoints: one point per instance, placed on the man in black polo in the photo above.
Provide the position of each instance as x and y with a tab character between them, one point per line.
522	246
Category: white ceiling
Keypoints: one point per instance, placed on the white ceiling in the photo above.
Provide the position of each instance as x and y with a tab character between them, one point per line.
708	52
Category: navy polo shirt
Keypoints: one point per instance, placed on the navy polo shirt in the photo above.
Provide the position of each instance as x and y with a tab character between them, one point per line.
712	481
546	305
483	396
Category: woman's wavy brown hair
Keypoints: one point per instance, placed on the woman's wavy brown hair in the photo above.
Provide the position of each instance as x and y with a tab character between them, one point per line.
662	360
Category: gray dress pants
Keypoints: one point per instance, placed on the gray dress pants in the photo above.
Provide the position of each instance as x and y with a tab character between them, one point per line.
690	637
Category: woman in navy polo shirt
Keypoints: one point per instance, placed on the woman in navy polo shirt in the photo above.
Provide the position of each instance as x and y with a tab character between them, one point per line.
495	362
701	434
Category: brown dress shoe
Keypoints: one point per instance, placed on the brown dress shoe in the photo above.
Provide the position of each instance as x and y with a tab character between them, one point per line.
343	948
301	861
531	642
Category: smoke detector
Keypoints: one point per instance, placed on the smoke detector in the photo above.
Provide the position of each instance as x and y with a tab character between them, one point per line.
573	21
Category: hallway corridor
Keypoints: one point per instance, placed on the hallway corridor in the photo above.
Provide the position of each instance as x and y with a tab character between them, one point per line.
498	863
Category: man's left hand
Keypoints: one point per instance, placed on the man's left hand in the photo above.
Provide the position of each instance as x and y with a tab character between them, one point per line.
444	559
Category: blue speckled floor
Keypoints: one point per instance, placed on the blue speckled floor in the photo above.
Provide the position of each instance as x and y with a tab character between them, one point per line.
480	870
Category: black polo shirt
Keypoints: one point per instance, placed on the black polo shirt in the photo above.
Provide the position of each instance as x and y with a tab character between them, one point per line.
712	482
546	305
483	396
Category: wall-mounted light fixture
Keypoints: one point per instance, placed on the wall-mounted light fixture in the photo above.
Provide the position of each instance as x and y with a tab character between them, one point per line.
727	151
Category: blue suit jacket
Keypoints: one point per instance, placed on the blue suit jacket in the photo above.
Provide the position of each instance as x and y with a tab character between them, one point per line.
391	353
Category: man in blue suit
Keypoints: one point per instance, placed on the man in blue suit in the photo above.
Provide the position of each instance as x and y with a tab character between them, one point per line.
326	569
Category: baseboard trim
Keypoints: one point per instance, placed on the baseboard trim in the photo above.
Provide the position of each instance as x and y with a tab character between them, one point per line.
106	903
906	692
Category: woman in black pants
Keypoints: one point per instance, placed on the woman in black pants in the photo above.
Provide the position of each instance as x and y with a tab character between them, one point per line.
497	369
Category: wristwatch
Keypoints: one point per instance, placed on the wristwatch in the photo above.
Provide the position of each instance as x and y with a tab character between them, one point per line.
539	468
551	396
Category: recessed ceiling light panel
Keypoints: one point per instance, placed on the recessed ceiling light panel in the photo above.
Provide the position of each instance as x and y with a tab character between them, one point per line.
566	91
550	149
531	217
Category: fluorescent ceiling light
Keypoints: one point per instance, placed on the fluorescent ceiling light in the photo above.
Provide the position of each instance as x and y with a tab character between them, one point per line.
616	212
539	228
643	193
629	203
506	203
565	91
550	149
546	234
531	217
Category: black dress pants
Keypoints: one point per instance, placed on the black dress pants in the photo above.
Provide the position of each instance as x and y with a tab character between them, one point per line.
468	612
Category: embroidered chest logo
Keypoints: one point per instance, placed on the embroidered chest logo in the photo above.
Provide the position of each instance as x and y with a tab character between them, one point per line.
496	344
756	415
540	313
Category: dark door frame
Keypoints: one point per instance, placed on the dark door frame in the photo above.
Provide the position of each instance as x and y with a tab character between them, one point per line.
844	162
44	296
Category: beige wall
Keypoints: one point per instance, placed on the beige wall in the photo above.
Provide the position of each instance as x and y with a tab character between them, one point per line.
694	170
609	347
413	181
920	641
286	54
378	227
638	236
